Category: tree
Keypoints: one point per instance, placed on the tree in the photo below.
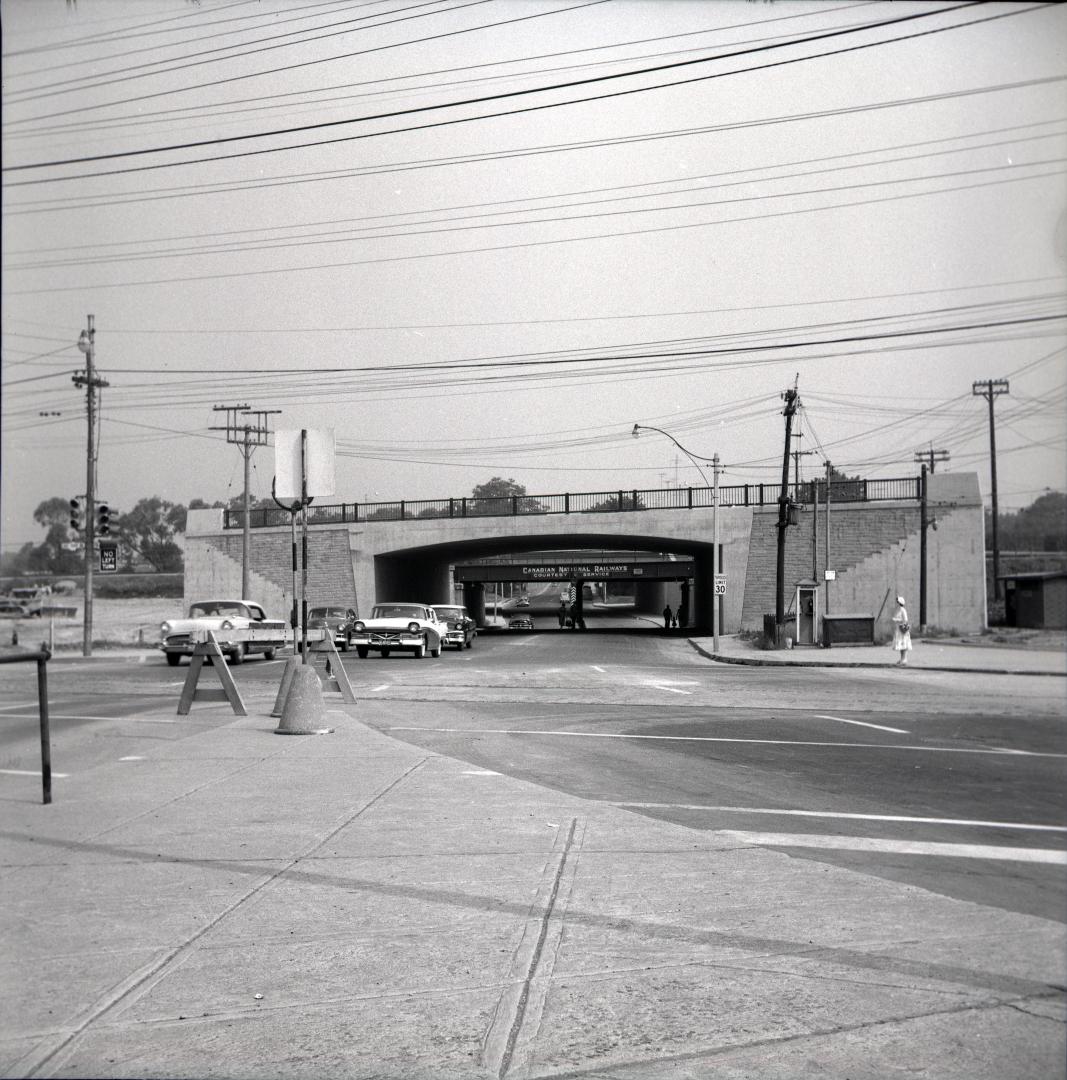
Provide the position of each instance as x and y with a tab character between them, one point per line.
625	500
50	557
1041	526
149	531
500	496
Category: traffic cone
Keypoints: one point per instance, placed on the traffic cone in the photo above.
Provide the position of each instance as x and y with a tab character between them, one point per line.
305	711
287	680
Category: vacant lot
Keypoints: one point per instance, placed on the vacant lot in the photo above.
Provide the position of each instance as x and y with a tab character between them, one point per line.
116	623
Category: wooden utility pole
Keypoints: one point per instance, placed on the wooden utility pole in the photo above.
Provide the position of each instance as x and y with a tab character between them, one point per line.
931	456
990	389
247	436
791	398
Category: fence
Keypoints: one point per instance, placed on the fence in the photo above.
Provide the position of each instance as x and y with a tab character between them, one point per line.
586	502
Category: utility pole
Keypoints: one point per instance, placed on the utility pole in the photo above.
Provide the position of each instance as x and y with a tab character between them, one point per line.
716	605
931	456
91	381
791	399
990	389
923	521
247	436
826	540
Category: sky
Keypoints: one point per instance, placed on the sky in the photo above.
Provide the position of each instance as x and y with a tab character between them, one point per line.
486	238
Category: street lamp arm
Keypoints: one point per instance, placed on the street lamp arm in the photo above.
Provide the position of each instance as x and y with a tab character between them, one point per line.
648	427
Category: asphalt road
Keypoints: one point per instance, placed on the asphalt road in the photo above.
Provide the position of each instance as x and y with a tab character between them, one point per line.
951	783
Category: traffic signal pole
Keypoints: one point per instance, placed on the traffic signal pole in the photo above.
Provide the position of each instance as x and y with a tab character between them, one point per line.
89	379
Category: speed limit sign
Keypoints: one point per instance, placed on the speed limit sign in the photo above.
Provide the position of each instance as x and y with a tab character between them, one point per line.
720	584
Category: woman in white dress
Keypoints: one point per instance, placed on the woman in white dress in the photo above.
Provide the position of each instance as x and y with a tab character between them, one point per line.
901	631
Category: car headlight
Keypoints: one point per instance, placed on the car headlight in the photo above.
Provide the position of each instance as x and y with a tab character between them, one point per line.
358	627
164	628
413	628
226	625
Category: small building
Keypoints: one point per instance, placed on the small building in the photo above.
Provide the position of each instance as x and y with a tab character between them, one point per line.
1037	599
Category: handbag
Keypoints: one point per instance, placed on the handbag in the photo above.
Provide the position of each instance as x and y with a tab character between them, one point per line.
905	628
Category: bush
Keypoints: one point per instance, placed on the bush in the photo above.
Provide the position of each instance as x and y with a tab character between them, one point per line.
137	586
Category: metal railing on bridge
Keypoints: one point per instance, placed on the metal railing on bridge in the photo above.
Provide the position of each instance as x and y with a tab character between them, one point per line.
586	502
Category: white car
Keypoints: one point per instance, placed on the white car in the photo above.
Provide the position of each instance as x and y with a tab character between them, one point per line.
399	627
179	636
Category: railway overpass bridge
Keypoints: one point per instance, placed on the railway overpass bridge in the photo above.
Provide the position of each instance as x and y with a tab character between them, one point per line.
360	554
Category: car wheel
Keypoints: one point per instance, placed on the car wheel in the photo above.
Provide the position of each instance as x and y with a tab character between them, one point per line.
174	659
385	654
420	650
269	654
436	651
237	655
361	651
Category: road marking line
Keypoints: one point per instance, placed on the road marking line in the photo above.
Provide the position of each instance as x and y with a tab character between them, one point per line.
861	723
32	772
479	772
375	689
132	757
669	689
597	667
845	816
900	847
19	705
725	739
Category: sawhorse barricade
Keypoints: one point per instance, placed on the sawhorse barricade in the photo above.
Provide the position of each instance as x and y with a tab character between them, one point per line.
228	692
335	672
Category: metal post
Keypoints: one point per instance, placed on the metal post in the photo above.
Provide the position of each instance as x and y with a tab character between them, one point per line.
826	539
923	521
246	450
790	397
715	606
46	741
304	520
90	492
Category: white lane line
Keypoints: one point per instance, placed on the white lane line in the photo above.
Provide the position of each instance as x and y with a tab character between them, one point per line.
375	689
724	739
900	847
32	772
969	822
19	705
670	689
597	667
479	772
861	723
132	757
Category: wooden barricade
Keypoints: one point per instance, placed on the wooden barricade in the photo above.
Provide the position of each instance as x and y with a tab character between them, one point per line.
335	673
228	692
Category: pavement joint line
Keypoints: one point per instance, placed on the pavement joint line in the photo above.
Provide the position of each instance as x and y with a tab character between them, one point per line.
1051	856
861	723
130	989
510	1012
903	818
724	739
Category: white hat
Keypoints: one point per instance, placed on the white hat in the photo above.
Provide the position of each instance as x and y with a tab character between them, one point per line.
900	600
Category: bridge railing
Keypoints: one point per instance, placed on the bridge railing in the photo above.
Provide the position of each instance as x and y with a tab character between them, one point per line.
586	502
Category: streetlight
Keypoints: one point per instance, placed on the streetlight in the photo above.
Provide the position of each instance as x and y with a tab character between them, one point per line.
695	459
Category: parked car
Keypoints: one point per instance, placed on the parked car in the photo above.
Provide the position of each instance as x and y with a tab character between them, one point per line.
339	619
31	597
523	601
12	609
401	627
460	629
223	616
521	622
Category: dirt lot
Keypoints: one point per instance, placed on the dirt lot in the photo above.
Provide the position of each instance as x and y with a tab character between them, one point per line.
116	623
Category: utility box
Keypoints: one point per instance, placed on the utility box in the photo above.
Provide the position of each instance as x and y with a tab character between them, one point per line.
848	629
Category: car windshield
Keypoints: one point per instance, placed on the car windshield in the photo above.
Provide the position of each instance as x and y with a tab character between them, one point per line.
399	611
327	613
449	612
214	608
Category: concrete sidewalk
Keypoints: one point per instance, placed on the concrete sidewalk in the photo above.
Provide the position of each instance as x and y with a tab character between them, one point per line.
930	655
239	904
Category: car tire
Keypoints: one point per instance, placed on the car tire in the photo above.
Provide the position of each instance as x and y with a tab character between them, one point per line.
174	659
420	650
237	656
361	651
269	654
385	654
435	652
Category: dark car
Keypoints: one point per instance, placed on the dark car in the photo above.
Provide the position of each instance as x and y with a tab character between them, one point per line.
339	619
521	622
460	629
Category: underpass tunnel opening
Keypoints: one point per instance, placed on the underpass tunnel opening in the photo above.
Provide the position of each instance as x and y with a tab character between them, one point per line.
590	579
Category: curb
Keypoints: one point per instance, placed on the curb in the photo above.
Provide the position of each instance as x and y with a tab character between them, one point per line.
746	661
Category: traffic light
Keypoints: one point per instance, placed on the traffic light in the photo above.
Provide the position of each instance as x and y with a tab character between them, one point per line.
76	514
103	520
